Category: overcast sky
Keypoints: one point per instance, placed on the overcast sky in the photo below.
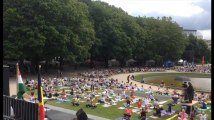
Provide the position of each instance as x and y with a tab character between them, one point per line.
189	14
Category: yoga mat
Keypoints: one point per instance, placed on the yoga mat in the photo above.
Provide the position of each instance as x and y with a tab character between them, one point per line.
106	105
162	102
154	117
121	108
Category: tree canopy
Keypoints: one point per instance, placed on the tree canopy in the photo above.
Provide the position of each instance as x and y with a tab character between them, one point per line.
81	29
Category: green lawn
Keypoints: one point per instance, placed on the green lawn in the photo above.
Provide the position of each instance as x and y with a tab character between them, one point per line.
168	81
200	75
113	112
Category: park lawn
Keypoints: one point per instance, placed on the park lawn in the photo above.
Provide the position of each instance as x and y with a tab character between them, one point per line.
200	75
113	112
169	81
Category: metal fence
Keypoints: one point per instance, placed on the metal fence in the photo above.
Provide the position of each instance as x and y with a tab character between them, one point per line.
22	110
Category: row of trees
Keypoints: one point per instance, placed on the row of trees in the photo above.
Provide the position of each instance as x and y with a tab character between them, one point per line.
77	30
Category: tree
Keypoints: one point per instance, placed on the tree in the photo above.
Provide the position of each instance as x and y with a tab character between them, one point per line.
196	49
37	30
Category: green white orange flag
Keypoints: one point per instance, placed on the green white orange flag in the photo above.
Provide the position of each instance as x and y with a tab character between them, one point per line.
40	97
21	86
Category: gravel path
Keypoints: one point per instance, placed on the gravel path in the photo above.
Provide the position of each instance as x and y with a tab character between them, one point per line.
123	77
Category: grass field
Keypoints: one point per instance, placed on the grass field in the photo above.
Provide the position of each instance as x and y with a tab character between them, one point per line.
167	80
200	75
113	112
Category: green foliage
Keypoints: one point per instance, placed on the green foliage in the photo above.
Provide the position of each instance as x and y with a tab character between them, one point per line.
196	49
79	29
39	29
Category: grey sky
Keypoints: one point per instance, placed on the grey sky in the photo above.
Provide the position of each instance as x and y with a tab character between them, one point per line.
189	14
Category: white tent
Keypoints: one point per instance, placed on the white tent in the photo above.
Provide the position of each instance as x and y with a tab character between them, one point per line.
180	61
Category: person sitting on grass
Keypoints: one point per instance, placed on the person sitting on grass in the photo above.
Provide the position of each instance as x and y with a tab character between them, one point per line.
141	89
162	84
118	97
76	101
139	103
151	96
192	114
166	91
149	90
64	96
158	111
128	113
183	115
175	98
50	95
91	104
132	94
203	116
156	103
147	101
159	91
102	99
143	114
204	104
147	109
32	97
128	102
72	92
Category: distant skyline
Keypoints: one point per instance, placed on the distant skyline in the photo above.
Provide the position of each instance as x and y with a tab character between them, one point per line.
189	14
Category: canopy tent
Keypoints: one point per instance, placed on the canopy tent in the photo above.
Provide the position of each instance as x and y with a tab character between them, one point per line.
131	60
180	61
168	63
150	62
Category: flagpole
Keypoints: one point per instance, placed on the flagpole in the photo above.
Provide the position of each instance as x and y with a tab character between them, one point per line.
17	83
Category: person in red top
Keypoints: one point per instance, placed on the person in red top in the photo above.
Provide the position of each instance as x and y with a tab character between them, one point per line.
139	103
128	112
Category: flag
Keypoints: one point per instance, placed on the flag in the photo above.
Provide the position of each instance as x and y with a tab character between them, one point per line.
203	60
21	86
40	97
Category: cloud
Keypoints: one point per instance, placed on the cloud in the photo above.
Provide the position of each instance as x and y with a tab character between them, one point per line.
206	34
190	14
184	8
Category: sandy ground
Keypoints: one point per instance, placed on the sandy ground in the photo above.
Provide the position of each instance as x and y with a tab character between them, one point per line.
123	77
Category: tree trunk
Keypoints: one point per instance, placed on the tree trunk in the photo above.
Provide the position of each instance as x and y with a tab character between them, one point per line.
35	66
91	62
106	63
61	63
76	66
122	63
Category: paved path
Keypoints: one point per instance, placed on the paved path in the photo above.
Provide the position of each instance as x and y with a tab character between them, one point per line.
58	113
123	77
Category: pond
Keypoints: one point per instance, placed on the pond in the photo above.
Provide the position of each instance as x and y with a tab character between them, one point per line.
200	84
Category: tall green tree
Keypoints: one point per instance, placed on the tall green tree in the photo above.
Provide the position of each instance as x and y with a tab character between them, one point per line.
36	30
196	49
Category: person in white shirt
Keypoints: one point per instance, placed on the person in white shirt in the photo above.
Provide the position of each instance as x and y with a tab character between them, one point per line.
102	99
203	116
118	97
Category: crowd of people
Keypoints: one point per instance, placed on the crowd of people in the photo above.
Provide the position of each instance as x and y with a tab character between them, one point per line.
90	86
194	68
